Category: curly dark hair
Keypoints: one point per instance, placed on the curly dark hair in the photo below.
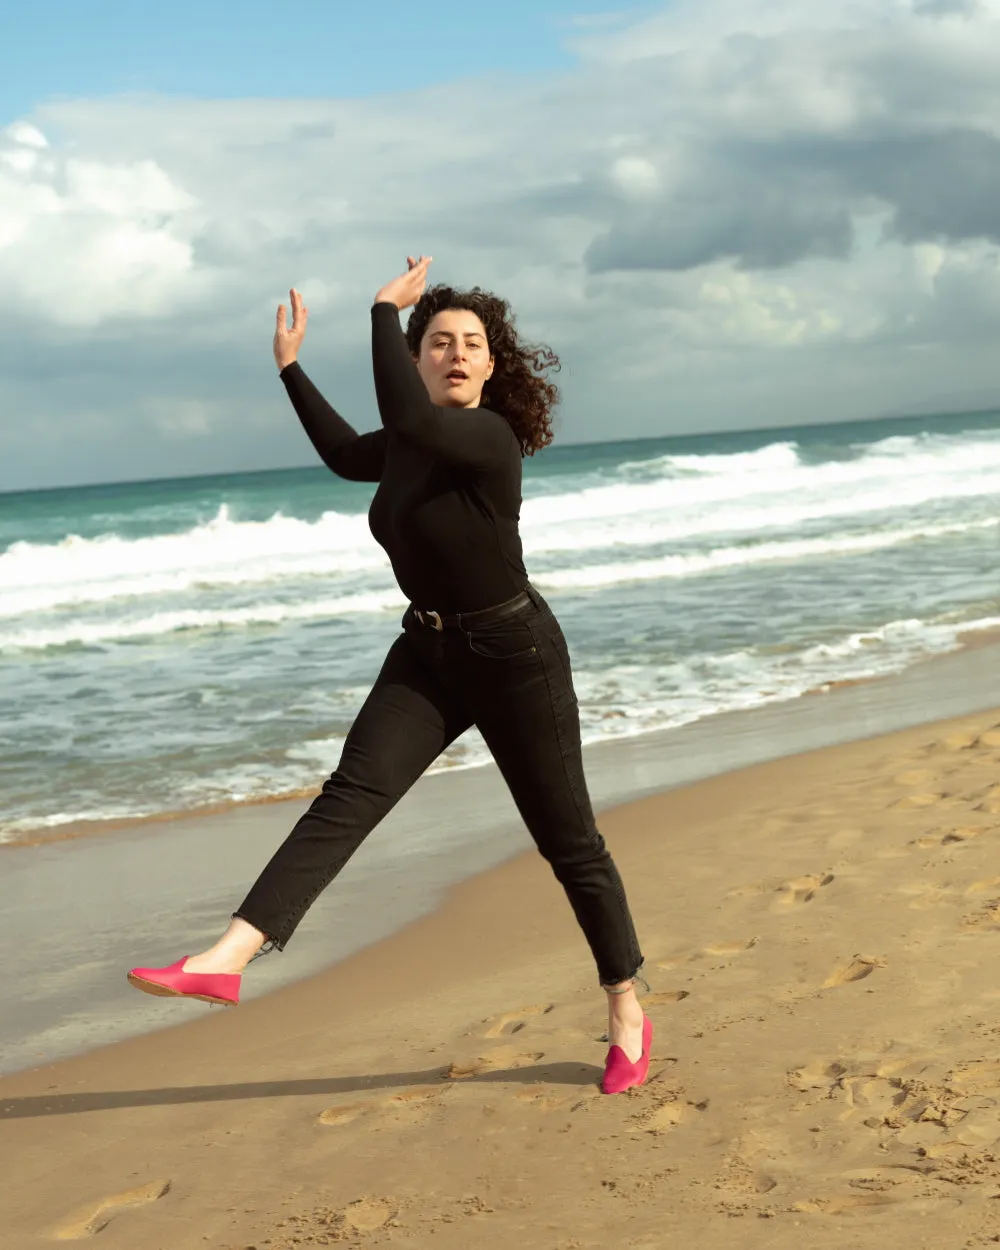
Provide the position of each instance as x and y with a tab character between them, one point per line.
518	391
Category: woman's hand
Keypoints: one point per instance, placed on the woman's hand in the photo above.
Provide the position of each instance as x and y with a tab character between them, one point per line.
287	342
405	290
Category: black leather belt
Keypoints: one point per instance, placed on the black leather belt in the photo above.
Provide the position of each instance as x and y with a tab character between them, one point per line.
469	620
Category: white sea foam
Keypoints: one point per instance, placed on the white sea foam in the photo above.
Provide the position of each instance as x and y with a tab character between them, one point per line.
222	552
616	700
123	628
693	498
666	567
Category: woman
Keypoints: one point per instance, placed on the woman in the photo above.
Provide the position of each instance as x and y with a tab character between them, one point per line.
461	401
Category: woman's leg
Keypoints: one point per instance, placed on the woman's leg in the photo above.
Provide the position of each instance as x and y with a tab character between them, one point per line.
406	722
526	709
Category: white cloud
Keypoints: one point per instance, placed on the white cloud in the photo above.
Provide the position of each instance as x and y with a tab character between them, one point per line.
26	135
82	241
636	177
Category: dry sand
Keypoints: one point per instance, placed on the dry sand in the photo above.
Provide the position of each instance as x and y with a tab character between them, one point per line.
822	935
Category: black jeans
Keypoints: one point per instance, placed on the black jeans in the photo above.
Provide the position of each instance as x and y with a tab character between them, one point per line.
511	679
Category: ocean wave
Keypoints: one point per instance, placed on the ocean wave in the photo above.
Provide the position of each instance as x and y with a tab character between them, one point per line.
95	633
617	700
127	629
695	497
774	457
665	567
932	470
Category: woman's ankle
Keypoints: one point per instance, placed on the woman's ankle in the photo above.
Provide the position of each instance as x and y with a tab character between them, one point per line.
232	952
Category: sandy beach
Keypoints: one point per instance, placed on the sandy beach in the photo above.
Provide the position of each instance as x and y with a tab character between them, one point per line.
821	934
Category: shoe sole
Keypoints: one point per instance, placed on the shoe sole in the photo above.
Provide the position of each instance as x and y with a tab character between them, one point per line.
163	991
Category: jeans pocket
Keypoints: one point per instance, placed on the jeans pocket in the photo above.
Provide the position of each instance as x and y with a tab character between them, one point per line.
557	641
509	639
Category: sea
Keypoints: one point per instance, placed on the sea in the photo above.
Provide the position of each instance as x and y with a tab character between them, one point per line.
171	646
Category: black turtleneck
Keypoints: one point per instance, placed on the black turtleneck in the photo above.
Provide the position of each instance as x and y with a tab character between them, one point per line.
449	496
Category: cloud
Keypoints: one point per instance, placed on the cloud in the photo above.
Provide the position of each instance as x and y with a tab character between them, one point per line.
724	202
82	241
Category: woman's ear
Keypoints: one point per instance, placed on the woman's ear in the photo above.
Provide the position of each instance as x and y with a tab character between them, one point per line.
489	369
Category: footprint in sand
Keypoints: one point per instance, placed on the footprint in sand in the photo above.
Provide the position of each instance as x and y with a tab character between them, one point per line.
498	1061
545	1101
90	1219
324	1225
960	741
874	1204
856	969
990	801
738	947
855	1204
919	799
403	1102
821	1074
790	893
665	996
988	885
666	1117
514	1021
364	1215
915	777
923	894
986	919
737	1176
802	889
947	837
669	1113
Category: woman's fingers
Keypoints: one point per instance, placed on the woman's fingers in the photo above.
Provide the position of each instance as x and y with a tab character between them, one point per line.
406	289
300	314
282	320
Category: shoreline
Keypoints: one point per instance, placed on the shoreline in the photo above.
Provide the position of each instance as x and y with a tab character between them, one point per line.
819	932
455	825
51	834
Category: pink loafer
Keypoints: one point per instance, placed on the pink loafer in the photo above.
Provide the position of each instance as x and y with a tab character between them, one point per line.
619	1073
210	987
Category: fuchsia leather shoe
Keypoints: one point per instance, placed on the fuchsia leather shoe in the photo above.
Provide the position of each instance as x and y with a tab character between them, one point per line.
211	987
619	1074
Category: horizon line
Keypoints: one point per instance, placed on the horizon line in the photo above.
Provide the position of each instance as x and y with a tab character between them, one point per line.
645	438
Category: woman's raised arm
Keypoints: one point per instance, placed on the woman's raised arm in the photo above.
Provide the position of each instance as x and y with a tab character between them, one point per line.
356	457
472	438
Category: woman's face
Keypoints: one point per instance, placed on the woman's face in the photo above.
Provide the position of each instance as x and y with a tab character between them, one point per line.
455	359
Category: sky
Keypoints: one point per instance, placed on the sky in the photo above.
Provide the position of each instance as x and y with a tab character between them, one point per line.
721	214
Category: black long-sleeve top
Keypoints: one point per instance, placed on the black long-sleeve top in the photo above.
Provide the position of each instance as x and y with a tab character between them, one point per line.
449	496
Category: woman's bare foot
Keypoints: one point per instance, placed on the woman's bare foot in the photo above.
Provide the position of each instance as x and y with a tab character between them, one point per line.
232	952
625	1018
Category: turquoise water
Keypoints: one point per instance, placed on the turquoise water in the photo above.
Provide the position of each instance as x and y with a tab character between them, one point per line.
169	644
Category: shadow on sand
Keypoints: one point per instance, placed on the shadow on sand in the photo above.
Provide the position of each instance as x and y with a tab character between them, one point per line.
111	1100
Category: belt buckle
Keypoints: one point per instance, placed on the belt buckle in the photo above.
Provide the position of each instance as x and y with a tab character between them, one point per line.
435	622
